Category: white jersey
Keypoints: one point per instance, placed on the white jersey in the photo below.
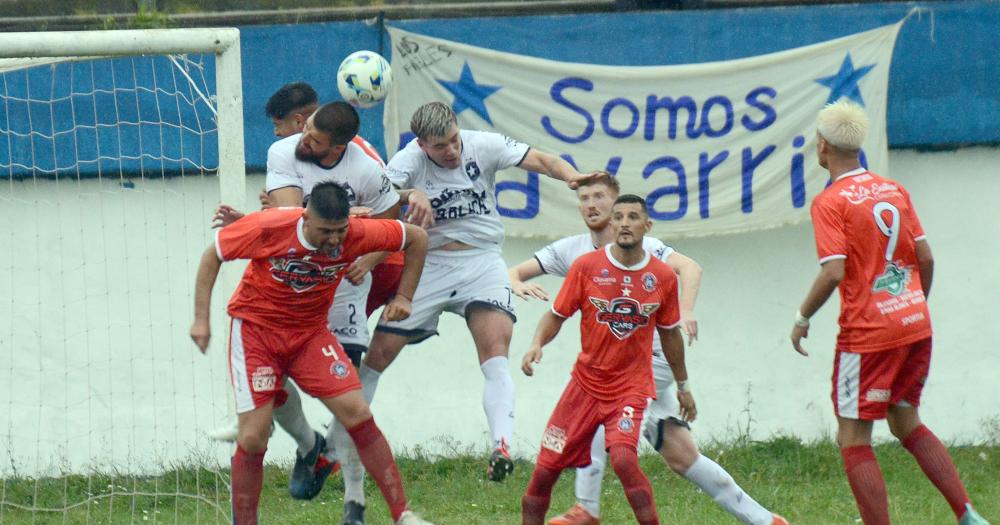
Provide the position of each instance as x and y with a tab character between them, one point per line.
556	258
361	174
464	198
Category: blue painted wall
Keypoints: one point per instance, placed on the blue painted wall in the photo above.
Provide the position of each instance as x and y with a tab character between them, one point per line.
942	87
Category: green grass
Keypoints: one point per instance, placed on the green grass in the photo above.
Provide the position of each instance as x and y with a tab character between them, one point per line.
804	482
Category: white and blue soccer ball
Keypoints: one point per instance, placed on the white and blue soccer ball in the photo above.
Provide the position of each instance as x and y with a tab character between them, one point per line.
363	79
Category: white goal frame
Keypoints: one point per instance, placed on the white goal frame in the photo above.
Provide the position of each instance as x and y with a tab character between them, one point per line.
223	42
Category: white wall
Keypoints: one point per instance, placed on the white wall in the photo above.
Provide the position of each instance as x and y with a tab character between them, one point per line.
99	368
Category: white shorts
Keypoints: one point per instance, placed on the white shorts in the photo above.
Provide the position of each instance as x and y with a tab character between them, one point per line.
665	407
451	282
347	319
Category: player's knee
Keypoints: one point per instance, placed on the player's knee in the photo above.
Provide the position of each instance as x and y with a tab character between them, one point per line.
354	414
253	441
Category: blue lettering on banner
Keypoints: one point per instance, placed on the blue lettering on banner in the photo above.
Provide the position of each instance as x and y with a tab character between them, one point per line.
654	103
679	189
705	167
753	100
750	163
531	197
557	96
606	117
798	174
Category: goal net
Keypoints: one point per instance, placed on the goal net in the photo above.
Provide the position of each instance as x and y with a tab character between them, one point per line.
115	148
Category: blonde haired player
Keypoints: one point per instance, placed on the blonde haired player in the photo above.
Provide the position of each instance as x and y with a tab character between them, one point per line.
872	247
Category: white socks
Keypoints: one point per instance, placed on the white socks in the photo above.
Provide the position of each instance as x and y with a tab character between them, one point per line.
498	398
588	479
717	483
291	418
369	382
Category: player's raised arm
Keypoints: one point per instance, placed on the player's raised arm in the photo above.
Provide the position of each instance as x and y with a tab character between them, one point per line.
522	272
548	328
208	271
689	273
555	167
415	247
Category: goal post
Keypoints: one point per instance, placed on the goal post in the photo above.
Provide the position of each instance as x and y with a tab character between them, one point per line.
115	148
224	42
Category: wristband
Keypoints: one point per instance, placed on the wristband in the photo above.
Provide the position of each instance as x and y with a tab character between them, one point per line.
801	320
684	386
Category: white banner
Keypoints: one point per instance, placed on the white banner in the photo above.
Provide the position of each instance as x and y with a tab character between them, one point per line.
715	148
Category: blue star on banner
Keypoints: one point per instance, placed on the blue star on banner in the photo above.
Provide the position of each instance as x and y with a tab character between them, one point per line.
845	82
469	95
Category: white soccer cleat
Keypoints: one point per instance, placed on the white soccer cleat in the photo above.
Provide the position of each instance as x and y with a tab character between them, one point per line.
227	432
410	518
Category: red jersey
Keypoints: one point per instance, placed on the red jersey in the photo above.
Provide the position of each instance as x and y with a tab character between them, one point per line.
620	306
288	283
396	258
869	221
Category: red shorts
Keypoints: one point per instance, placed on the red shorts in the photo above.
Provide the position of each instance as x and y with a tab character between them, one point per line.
577	416
865	385
260	358
385	282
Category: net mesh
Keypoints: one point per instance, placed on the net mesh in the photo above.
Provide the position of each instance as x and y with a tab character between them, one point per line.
107	181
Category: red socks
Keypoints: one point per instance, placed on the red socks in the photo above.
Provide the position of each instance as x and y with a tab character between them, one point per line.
377	458
936	463
247	480
637	488
867	484
535	501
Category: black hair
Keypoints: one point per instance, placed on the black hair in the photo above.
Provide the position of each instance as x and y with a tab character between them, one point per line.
329	201
630	198
339	120
292	97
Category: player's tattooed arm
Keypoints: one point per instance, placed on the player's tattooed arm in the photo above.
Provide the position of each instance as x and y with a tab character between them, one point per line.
208	271
689	273
522	272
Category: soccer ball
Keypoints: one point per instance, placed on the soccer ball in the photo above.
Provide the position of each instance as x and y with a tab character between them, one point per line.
363	79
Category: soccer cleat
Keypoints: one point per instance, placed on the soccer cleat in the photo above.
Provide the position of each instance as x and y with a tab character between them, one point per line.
971	517
354	514
779	520
302	483
500	463
576	515
409	518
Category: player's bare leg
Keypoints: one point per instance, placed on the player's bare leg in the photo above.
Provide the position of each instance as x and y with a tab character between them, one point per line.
248	463
491	330
373	449
933	458
863	473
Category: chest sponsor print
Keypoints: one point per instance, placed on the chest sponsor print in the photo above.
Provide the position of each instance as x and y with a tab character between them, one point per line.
302	274
623	315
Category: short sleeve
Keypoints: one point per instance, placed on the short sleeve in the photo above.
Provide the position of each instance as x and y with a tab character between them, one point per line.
400	168
507	151
375	235
281	171
377	192
669	314
657	248
568	300
916	229
828	227
241	239
551	260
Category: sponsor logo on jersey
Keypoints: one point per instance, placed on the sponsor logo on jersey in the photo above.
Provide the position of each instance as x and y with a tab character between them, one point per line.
264	379
472	170
605	278
339	369
302	274
554	439
893	280
878	395
648	282
856	194
623	315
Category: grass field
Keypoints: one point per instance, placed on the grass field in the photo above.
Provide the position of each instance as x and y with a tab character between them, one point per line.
804	482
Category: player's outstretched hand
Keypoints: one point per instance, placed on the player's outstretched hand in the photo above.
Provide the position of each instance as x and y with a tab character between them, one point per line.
798	334
201	332
527	290
265	199
419	210
688	410
575	182
399	308
533	357
690	326
225	215
360	211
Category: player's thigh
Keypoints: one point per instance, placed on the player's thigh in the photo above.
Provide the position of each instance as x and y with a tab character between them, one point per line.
255	364
570	430
346	318
349	408
385	346
491	330
321	368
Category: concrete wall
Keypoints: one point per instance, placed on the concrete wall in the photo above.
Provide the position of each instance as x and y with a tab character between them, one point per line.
97	306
